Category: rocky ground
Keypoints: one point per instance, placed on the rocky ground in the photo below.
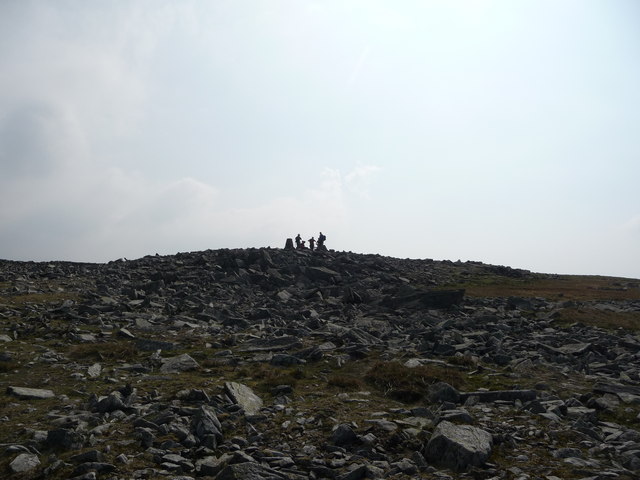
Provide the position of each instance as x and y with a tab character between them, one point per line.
276	364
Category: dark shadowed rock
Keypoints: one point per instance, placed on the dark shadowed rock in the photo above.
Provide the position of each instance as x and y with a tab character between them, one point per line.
442	392
65	439
503	395
343	435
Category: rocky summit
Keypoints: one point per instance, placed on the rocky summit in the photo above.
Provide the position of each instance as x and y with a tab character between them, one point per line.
282	364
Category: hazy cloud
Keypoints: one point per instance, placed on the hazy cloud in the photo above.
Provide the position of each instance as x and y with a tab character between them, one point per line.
36	140
633	224
128	128
360	179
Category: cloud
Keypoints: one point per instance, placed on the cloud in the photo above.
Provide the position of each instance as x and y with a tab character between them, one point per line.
633	224
36	139
355	72
359	180
99	214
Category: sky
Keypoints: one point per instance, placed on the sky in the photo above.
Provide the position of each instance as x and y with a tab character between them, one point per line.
505	132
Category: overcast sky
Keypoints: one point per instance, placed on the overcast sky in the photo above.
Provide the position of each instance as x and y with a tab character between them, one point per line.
506	132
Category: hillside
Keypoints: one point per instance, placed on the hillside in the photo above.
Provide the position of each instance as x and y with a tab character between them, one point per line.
276	364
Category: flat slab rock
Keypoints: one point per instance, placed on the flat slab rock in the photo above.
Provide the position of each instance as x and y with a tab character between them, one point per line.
244	396
276	344
30	393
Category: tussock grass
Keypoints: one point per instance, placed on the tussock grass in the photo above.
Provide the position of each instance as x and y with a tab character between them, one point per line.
406	384
267	376
101	351
345	382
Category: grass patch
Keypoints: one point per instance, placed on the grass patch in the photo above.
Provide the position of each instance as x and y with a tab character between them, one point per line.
39	298
345	382
9	366
266	376
100	351
565	287
600	318
406	384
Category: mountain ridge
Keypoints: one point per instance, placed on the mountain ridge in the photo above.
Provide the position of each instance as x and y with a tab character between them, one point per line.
358	366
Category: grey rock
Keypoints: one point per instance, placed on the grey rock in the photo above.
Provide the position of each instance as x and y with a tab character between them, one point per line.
24	463
112	402
616	388
90	456
180	363
442	392
211	466
249	471
343	435
65	439
94	370
502	395
243	395
359	472
274	344
205	423
193	395
458	446
567	452
98	467
457	415
30	393
323	274
284	360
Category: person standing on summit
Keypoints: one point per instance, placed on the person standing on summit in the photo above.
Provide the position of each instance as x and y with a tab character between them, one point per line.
312	243
298	240
321	239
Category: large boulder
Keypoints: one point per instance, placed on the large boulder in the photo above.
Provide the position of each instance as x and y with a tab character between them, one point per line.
458	447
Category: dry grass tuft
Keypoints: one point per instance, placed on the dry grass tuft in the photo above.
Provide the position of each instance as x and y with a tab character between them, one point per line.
101	351
409	384
345	382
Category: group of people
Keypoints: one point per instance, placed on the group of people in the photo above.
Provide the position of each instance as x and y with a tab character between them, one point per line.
313	244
